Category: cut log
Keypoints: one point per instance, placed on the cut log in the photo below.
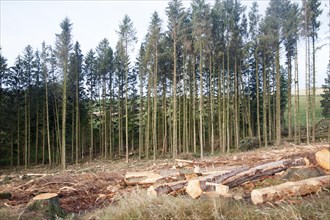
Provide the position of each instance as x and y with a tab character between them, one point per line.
168	188
179	186
193	189
289	189
48	204
267	169
323	158
141	178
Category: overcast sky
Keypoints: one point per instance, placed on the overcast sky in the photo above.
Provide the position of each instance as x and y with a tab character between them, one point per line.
31	22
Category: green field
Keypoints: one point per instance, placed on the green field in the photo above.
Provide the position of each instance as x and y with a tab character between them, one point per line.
302	110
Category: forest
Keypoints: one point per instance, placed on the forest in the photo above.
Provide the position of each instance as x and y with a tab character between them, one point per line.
215	78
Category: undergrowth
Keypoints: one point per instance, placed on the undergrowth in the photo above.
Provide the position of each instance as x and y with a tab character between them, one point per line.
138	205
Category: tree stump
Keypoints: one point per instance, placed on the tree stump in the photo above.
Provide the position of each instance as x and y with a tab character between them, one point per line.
46	203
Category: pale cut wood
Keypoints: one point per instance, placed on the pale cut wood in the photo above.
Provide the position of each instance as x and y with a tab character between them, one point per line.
141	178
289	189
45	196
193	189
222	189
323	158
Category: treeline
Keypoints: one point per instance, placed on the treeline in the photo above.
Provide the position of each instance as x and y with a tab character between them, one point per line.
209	81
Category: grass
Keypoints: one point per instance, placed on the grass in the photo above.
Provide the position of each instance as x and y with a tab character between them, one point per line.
302	110
138	205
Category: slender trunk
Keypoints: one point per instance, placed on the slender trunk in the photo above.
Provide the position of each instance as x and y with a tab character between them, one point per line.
201	113
148	119
224	108
307	72
104	117
63	152
154	127
228	103
43	135
236	106
264	100
37	129
220	108
175	142
126	106
26	132
47	121
72	133
165	117
212	105
141	117
278	97
91	148
110	120
12	151
77	117
258	96
194	106
296	102
313	94
18	133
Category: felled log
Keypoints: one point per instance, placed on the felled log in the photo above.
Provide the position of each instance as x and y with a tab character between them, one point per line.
168	188
48	204
289	189
267	169
180	186
141	178
323	158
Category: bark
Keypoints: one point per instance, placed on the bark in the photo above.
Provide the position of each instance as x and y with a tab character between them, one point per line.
263	170
264	101
258	97
201	103
290	189
63	146
154	125
278	97
175	147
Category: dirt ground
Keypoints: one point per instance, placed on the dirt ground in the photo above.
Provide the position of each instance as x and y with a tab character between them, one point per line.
99	183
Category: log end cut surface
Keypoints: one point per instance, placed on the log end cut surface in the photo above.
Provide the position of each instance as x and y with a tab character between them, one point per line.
323	158
45	196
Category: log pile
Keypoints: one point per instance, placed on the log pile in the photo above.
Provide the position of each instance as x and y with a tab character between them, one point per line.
197	183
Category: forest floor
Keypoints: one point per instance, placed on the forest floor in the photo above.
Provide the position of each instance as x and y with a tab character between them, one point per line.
92	186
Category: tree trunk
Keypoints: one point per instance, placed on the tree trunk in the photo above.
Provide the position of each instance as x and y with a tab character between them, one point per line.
290	189
154	126
264	101
201	102
63	146
258	96
174	141
278	97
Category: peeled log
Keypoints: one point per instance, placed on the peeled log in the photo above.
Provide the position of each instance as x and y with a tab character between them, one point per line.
289	189
323	158
46	203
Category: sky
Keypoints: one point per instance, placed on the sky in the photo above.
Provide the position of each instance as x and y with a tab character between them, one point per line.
26	22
